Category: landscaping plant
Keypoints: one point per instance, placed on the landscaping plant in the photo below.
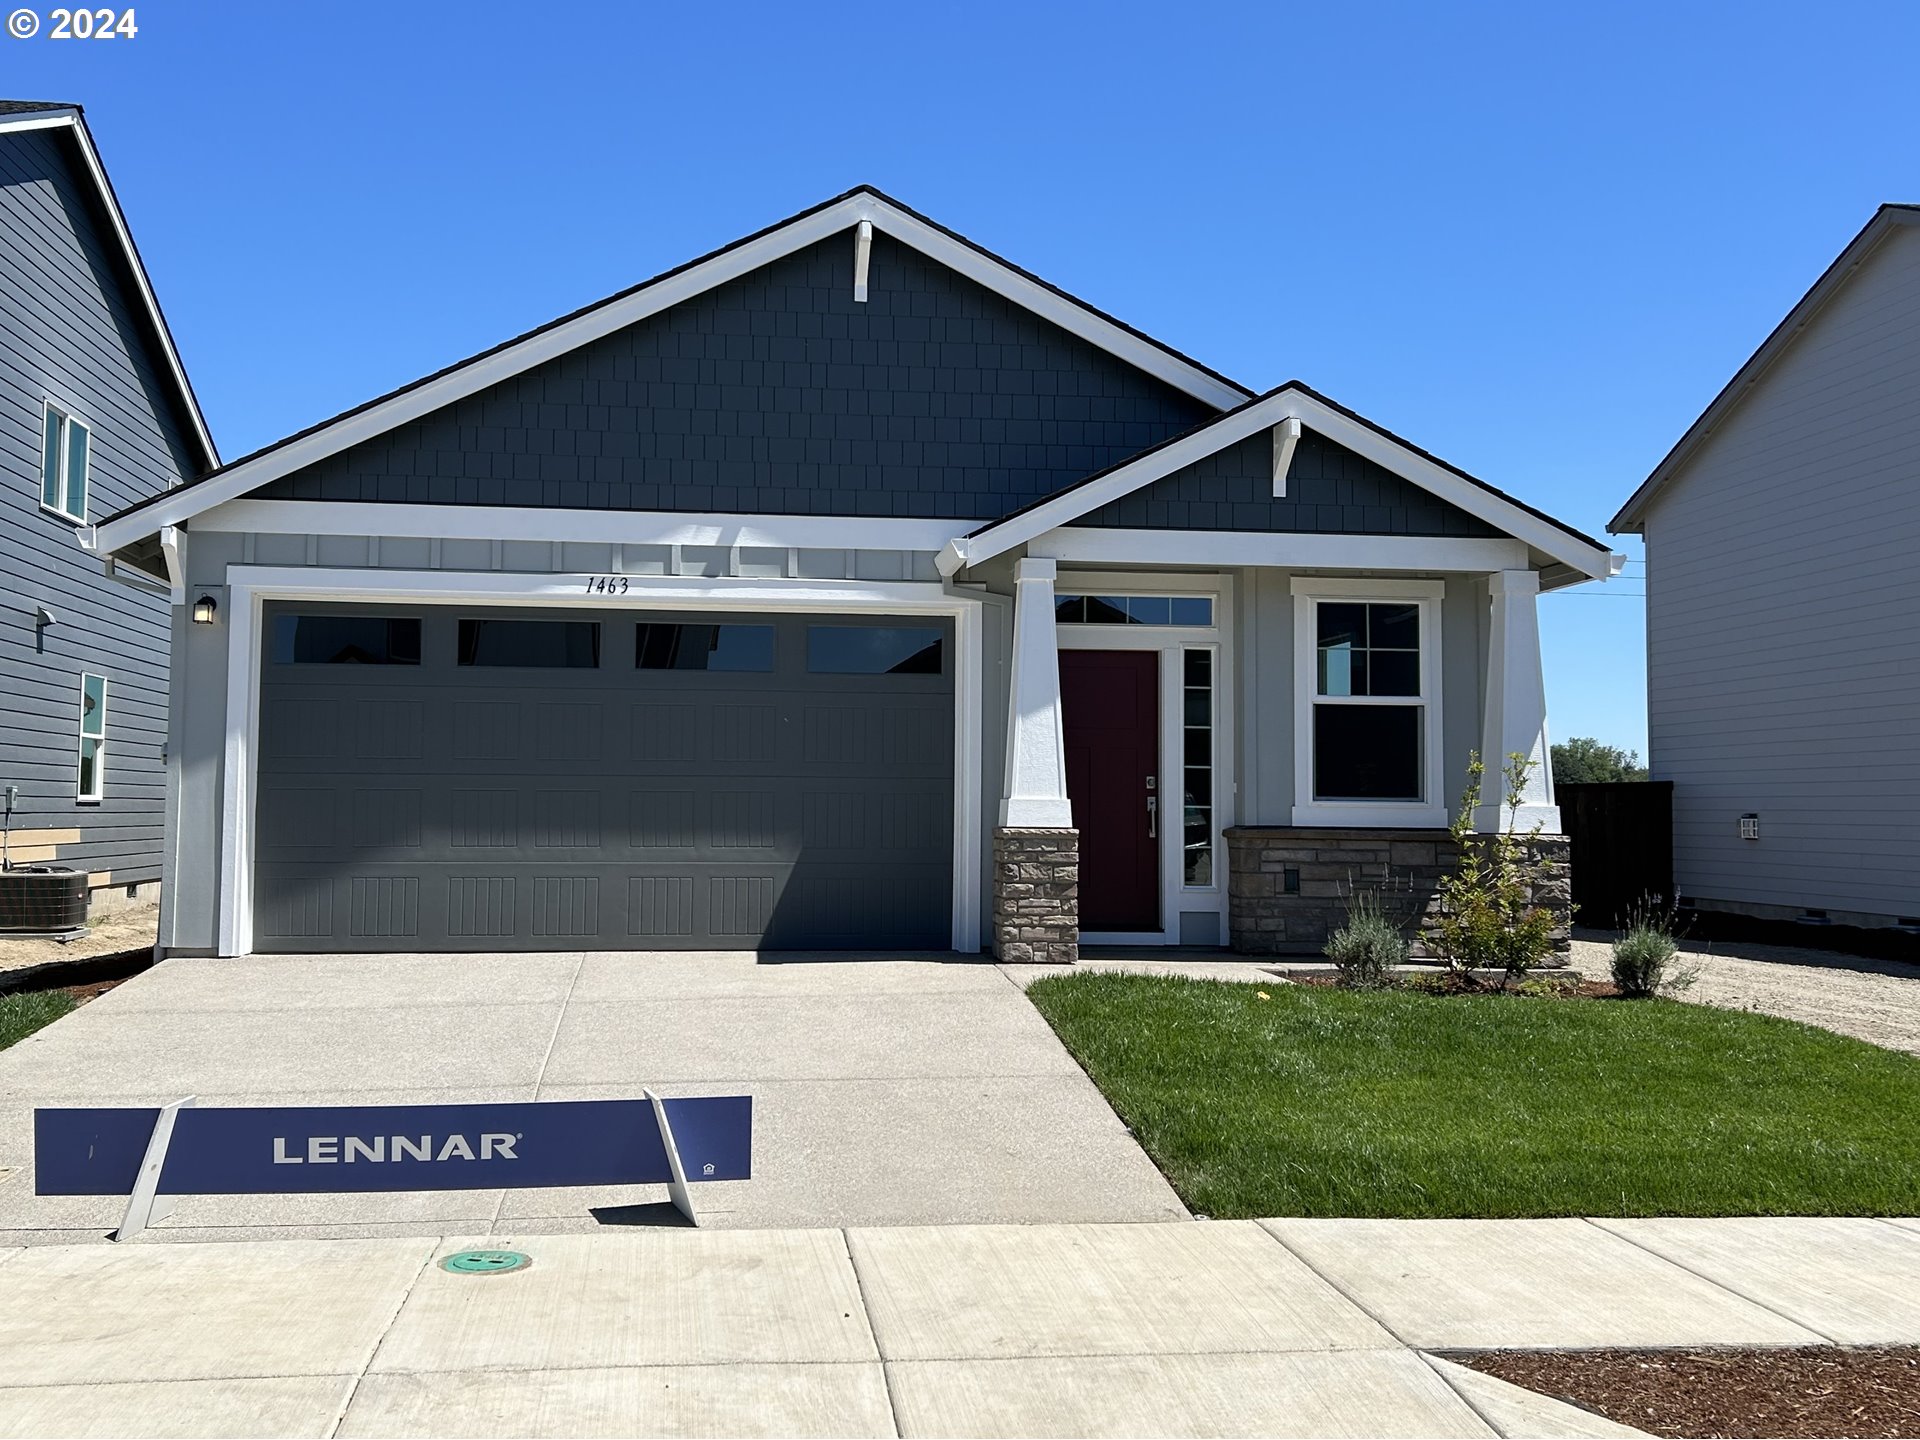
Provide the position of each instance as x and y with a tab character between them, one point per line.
1488	920
1644	956
1369	947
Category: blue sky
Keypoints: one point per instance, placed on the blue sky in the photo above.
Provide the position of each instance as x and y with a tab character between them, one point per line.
1535	239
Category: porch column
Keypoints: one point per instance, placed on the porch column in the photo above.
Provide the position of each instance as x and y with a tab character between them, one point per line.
1516	707
1036	850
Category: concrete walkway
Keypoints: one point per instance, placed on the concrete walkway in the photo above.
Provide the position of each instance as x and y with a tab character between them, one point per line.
1283	1327
886	1092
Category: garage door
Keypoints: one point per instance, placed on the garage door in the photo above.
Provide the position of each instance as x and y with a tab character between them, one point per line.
433	779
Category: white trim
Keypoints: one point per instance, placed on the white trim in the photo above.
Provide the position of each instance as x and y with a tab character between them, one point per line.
862	256
1286	435
1590	560
81	795
1431	810
1288	550
1168	642
618	527
1033	793
250	587
176	570
652	297
71	119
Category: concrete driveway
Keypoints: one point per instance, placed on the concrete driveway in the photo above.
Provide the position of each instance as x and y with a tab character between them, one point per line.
886	1092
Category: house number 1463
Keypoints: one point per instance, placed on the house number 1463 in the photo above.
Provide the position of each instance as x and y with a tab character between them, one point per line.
606	585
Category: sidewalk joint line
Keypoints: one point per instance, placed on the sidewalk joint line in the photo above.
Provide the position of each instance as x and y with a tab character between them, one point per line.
353	1382
1335	1286
866	1314
1432	1363
1720	1285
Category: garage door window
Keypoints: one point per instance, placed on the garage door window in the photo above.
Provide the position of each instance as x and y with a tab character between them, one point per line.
736	648
345	640
874	650
531	644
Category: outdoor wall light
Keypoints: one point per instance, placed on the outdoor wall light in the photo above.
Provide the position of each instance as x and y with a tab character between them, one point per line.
204	609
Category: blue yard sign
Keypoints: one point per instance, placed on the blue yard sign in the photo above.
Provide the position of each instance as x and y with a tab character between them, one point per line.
338	1148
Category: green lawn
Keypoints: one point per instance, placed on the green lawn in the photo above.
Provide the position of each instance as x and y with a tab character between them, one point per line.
1330	1102
21	1015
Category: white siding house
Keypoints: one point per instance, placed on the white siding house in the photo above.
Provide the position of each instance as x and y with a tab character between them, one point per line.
1783	593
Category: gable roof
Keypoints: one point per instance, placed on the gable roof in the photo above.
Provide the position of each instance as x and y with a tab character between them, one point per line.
1887	219
650	297
1553	538
17	116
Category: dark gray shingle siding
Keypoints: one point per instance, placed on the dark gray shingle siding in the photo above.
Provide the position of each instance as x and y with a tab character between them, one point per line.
1330	491
777	393
69	329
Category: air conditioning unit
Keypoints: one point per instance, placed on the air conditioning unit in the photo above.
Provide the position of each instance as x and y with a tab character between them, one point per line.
43	900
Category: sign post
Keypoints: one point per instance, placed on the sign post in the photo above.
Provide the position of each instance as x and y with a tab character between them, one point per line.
154	1154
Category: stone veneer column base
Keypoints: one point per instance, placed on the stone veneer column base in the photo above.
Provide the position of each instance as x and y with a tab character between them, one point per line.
1036	896
1264	917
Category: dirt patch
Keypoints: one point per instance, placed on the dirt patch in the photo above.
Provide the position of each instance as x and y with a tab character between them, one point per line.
83	993
115	933
1815	1391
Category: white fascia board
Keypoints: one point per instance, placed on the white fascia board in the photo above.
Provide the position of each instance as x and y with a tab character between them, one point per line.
1591	560
458	587
1287	550
617	527
71	120
604	320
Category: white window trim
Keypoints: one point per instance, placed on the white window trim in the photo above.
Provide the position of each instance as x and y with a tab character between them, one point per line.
68	419
99	791
251	586
1431	811
1170	641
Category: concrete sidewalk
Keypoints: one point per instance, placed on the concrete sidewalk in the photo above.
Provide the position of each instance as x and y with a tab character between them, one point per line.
1285	1327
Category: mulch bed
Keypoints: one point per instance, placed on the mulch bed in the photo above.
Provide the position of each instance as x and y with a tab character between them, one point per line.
1813	1391
83	993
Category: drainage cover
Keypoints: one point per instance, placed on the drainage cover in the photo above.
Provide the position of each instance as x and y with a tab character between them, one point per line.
486	1262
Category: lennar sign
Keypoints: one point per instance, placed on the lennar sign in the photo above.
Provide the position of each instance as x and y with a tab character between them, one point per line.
152	1153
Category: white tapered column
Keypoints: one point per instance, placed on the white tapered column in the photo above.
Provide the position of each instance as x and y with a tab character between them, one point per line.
1036	776
1516	709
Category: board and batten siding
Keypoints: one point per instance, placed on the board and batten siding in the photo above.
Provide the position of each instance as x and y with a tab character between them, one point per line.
1783	649
70	330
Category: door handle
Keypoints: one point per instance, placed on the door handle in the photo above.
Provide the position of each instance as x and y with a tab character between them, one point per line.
1153	817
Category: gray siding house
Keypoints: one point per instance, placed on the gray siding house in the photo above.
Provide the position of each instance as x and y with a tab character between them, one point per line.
849	587
1783	679
95	415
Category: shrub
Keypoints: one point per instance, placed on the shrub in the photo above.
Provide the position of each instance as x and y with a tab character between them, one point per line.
1488	920
1644	955
1366	950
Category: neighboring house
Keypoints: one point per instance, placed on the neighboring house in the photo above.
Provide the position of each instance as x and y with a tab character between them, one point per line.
846	588
95	415
1783	661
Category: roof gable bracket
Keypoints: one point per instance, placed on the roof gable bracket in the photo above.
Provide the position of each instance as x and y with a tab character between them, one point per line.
862	252
1286	435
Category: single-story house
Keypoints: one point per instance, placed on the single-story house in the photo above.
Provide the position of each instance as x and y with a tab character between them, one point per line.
849	587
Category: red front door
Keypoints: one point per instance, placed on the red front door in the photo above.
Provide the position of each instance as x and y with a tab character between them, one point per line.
1110	701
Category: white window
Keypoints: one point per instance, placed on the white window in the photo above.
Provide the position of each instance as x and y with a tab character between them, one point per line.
1367	702
92	780
64	451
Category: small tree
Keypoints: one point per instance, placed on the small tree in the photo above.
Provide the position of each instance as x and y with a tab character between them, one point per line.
1584	760
1488	920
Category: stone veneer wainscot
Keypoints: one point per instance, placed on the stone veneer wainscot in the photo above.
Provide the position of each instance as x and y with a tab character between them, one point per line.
1264	917
1036	895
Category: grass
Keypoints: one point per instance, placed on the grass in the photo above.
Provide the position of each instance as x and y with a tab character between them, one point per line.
21	1015
1331	1102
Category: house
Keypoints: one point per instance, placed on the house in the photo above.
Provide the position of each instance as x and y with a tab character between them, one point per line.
95	415
1783	664
849	587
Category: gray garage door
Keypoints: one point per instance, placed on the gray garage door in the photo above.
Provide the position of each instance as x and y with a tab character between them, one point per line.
442	779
